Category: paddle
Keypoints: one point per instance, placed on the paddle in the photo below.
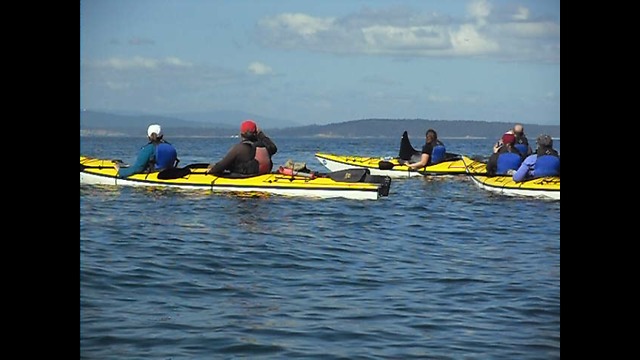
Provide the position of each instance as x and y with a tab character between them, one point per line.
198	166
388	165
477	159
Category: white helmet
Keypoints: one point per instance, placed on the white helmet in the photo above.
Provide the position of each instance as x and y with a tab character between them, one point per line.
155	128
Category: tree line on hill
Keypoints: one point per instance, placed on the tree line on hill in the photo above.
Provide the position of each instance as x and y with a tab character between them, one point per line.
102	124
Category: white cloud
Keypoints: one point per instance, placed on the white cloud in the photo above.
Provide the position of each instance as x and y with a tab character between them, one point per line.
139	62
174	61
509	34
468	41
259	68
412	37
300	24
522	14
528	29
480	10
439	99
123	64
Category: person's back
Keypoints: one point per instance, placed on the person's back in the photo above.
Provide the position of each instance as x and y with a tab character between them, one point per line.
545	162
165	156
252	156
506	158
548	160
522	143
156	155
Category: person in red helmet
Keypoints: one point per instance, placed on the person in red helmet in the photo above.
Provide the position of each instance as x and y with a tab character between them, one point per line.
251	156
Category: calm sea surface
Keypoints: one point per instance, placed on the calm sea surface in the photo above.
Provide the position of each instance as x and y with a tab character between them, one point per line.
440	269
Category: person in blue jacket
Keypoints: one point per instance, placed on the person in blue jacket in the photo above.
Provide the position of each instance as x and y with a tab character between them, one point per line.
507	159
157	155
433	152
545	162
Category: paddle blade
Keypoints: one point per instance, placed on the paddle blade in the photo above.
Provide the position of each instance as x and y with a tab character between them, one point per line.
349	175
385	165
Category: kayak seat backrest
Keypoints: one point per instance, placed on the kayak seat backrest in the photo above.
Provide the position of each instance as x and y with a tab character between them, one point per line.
349	175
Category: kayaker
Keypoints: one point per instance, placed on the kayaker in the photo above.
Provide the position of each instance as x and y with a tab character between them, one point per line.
522	143
506	158
545	162
251	156
433	151
154	156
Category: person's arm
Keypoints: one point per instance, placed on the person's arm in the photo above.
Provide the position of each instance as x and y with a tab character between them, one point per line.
492	164
424	160
270	145
427	149
144	156
523	171
497	146
227	161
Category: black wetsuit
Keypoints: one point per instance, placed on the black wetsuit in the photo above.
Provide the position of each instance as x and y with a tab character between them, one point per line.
240	159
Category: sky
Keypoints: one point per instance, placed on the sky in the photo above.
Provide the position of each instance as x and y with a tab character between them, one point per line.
324	61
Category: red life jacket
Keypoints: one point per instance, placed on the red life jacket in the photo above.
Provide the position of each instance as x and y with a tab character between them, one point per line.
261	158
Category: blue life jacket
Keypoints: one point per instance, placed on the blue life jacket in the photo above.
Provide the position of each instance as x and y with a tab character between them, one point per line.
165	156
547	165
438	153
523	148
508	161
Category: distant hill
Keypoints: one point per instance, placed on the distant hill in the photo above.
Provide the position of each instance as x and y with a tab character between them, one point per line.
233	118
99	123
105	124
417	128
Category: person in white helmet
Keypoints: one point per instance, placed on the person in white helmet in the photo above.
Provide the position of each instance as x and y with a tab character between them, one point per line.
156	155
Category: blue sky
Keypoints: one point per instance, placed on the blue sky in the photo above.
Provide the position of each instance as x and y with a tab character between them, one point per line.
324	61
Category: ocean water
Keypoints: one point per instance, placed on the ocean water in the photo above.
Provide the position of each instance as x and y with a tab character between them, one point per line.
440	269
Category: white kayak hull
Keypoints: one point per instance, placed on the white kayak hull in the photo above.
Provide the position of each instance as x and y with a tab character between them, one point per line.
395	174
356	194
510	191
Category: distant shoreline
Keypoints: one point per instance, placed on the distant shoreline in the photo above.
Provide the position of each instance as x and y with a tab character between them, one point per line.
107	134
102	124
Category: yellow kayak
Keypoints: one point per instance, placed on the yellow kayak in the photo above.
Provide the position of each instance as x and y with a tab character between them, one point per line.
544	187
455	165
347	184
